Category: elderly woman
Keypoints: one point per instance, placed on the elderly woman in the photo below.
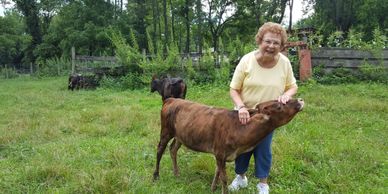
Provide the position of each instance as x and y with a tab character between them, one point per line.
261	75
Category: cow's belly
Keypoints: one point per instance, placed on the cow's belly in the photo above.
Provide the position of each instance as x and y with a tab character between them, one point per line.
196	141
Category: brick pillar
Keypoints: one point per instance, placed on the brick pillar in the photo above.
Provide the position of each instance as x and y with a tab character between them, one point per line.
305	69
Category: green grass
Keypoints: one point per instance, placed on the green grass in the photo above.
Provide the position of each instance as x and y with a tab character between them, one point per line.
104	141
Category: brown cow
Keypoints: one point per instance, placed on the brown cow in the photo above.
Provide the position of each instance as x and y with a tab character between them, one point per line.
169	87
218	131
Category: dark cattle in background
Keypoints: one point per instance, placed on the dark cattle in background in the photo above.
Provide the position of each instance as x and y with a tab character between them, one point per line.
169	87
75	82
218	131
78	81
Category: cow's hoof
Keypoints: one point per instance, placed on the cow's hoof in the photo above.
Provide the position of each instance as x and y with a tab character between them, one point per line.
156	176
214	187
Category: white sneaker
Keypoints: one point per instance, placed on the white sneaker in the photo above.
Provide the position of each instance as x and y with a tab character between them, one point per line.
263	188
238	182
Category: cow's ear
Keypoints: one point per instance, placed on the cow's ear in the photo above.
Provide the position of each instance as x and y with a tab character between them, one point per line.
264	110
265	117
259	108
253	111
261	118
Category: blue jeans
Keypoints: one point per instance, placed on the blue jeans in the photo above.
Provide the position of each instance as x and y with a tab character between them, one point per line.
263	159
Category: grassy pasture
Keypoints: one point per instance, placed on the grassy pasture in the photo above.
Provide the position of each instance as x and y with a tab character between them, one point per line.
104	141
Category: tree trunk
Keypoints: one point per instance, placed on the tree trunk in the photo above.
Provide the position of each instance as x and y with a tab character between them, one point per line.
257	12
155	20
200	23
165	43
291	3
187	49
159	26
172	21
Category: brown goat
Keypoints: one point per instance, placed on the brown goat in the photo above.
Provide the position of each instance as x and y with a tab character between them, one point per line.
169	87
218	131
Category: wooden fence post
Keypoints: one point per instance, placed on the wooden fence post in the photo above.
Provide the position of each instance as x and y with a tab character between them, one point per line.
6	71
72	60
58	69
31	69
37	69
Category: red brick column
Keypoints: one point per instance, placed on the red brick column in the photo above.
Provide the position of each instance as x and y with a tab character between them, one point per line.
305	69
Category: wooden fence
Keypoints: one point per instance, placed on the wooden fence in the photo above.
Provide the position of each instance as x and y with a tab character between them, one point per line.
77	60
332	58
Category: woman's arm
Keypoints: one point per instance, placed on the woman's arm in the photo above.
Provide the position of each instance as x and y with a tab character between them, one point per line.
243	114
287	95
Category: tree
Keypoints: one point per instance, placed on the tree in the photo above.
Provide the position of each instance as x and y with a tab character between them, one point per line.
29	9
342	15
47	10
13	40
81	24
219	13
140	24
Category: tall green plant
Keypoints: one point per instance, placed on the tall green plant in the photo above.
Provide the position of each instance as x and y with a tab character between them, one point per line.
335	39
57	66
126	54
354	40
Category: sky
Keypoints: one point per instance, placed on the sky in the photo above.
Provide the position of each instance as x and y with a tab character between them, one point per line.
297	13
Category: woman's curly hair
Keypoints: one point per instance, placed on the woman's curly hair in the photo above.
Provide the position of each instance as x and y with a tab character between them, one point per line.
271	27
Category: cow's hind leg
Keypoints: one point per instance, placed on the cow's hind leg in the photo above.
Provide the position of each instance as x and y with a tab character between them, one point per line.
174	147
164	139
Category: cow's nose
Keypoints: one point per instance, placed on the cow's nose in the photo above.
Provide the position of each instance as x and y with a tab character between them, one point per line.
301	102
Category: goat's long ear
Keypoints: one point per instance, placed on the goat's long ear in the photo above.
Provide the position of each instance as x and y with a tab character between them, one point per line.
153	77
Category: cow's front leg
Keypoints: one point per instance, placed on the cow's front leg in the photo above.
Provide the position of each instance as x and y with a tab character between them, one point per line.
215	179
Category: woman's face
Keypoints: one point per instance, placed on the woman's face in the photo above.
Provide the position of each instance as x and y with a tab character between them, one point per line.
270	46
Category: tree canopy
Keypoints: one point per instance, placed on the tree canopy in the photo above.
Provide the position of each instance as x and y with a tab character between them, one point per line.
35	31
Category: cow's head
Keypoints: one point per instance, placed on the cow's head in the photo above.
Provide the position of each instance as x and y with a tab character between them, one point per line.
155	84
279	113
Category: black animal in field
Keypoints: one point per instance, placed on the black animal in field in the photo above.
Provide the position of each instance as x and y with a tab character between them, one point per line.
79	81
169	87
75	82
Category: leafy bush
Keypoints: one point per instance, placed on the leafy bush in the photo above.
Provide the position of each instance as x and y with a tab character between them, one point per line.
126	54
366	73
8	73
130	81
374	73
55	67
